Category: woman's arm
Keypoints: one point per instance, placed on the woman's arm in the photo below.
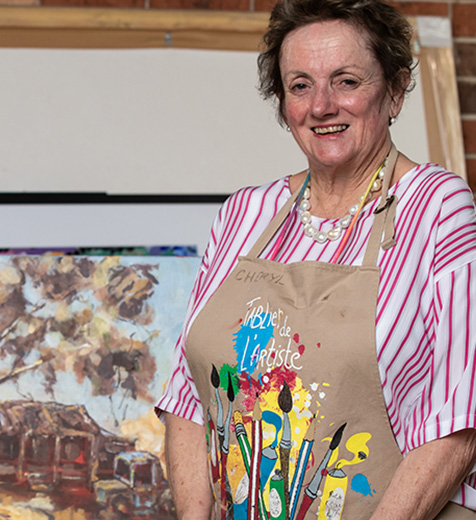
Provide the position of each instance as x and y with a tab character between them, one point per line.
428	477
187	468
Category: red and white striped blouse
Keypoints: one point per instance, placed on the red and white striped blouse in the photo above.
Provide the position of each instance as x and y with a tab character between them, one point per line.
426	311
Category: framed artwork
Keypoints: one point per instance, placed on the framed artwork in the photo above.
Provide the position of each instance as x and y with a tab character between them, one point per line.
85	350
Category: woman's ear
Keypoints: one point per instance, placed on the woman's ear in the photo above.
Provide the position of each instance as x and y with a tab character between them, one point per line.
398	93
281	110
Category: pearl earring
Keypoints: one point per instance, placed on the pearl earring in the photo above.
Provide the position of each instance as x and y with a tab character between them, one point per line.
392	121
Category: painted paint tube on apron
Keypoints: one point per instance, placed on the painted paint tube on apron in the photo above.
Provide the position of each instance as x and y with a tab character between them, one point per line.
277	502
269	458
333	495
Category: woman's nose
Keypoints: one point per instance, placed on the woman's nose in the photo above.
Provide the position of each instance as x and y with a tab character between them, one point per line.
323	102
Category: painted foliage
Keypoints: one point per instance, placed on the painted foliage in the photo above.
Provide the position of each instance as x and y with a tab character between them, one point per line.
85	350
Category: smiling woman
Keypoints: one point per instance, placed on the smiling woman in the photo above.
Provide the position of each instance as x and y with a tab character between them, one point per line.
337	285
338	107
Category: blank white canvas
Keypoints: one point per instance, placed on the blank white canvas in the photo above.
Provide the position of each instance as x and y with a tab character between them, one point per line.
155	121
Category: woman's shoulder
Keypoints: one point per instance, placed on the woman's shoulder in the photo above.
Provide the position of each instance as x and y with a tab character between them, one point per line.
430	184
252	199
436	216
240	221
434	173
247	209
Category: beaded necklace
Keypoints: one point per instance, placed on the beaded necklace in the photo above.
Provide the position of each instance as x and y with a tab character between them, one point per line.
346	222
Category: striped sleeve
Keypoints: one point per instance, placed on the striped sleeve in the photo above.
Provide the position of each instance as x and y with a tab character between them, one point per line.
448	402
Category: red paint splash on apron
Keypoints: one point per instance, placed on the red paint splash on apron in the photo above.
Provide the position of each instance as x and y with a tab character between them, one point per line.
236	324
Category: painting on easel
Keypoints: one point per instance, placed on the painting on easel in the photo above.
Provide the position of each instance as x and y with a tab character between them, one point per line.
85	350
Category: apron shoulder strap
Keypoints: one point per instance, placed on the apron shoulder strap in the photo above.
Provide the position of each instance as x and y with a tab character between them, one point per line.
384	216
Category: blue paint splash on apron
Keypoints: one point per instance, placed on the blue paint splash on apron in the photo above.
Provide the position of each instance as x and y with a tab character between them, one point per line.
360	484
275	420
250	341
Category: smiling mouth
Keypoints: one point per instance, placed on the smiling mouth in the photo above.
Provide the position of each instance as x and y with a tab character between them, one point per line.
336	129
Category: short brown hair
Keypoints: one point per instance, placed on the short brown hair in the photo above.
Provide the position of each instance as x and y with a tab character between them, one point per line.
389	36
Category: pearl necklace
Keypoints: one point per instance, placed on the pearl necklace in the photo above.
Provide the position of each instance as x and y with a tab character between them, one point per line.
336	232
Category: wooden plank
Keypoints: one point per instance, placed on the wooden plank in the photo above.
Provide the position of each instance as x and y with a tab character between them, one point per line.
123	28
443	120
119	39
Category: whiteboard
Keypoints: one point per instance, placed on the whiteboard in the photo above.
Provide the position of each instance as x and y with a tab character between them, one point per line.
148	121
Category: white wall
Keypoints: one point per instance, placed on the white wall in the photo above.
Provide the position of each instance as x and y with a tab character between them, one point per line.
146	121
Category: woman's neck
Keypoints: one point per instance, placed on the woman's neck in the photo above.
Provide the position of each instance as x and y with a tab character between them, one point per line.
333	193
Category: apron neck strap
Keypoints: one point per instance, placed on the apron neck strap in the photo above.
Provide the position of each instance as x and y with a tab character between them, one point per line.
384	215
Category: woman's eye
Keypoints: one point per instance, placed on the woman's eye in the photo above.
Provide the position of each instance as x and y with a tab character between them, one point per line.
349	82
299	86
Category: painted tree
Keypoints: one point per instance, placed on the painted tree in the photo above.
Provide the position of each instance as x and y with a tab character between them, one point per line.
79	315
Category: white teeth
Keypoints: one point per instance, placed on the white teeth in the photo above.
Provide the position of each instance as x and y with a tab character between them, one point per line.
330	129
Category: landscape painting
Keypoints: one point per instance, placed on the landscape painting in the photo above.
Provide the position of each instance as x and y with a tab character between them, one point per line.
86	347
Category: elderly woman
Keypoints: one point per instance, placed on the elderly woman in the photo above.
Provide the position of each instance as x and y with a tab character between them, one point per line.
324	370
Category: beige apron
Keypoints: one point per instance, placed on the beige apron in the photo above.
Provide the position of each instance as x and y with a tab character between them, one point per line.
284	360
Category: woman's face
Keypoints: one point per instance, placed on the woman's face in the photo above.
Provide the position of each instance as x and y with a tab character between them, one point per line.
336	102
